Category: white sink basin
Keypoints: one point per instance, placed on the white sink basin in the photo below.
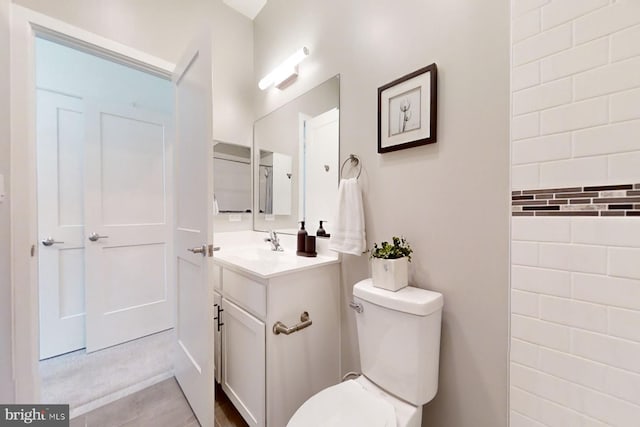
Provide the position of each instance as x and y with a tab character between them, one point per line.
265	263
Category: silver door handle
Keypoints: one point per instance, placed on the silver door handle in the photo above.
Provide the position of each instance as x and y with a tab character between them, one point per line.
50	241
199	250
94	237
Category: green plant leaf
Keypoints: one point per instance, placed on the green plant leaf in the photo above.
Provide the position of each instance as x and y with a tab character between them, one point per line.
399	249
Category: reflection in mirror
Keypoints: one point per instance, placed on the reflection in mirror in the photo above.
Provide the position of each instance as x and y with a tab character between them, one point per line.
231	186
296	166
274	183
320	168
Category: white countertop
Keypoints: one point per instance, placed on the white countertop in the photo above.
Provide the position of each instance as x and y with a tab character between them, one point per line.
246	251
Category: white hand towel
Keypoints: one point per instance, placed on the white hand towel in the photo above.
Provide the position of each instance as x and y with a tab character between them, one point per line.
347	234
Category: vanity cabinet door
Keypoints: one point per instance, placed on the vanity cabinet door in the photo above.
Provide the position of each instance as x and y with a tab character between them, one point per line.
243	362
217	365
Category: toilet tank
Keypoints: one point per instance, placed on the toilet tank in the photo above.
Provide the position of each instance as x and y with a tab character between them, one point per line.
399	339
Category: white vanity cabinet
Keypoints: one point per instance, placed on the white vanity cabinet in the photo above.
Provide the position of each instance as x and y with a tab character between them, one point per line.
268	376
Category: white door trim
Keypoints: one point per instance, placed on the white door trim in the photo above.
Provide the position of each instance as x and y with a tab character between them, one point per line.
25	25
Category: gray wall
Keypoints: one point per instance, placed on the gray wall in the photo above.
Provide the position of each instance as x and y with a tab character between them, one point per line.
450	199
6	389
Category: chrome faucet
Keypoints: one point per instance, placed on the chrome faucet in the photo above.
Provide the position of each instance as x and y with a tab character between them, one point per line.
274	240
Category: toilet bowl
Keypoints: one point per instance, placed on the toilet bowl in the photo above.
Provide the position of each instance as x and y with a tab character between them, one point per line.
399	341
356	403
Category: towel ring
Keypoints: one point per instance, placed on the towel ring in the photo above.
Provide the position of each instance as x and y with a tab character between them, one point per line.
355	161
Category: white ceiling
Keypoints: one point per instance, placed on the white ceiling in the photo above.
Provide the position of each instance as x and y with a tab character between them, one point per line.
248	8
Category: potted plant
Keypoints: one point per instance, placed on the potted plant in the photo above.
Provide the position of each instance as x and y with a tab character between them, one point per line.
389	264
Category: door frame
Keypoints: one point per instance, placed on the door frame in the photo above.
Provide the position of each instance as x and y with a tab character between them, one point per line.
25	26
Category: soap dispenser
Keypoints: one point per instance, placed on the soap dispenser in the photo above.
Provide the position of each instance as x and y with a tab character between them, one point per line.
321	231
302	238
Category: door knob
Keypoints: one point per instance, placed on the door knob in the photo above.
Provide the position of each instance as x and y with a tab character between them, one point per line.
94	237
49	241
199	250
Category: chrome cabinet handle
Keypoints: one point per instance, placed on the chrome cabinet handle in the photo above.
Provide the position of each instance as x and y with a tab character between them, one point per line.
199	250
94	237
356	306
50	241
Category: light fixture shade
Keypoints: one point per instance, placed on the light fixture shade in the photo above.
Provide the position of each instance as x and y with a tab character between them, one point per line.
286	71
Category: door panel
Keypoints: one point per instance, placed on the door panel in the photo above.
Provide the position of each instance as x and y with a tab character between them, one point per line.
70	166
71	275
321	148
194	229
189	311
60	154
217	364
122	264
243	362
126	203
145	201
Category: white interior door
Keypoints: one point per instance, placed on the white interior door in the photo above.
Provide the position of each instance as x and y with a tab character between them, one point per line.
128	224
194	229
321	167
60	148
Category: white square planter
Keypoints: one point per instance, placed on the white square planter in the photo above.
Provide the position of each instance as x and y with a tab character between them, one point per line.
390	274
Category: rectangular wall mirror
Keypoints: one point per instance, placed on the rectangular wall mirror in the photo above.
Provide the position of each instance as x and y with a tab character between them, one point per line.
296	164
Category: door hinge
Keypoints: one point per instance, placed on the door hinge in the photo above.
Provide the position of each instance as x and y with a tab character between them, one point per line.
33	251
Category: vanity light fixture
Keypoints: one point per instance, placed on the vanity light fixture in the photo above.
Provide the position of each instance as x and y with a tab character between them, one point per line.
284	73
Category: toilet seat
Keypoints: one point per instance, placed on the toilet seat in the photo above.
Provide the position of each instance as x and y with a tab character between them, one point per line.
345	404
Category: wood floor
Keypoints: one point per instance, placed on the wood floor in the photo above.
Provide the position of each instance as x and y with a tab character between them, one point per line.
161	405
226	414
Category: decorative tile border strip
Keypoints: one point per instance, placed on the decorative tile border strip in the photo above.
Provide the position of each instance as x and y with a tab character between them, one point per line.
602	200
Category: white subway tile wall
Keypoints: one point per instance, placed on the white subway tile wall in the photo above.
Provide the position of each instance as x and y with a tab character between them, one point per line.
575	321
575	284
577	73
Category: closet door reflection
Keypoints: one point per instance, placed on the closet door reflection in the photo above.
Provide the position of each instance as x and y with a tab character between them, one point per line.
274	183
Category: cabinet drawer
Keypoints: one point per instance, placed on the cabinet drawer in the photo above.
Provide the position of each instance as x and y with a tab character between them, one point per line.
245	292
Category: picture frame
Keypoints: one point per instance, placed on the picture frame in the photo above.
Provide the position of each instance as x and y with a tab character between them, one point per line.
407	110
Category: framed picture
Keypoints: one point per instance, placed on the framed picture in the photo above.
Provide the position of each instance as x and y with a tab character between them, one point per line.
407	111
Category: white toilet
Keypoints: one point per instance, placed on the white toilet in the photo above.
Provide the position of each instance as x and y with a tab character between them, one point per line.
399	338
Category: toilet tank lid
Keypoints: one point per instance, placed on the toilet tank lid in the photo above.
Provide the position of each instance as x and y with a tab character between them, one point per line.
412	300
